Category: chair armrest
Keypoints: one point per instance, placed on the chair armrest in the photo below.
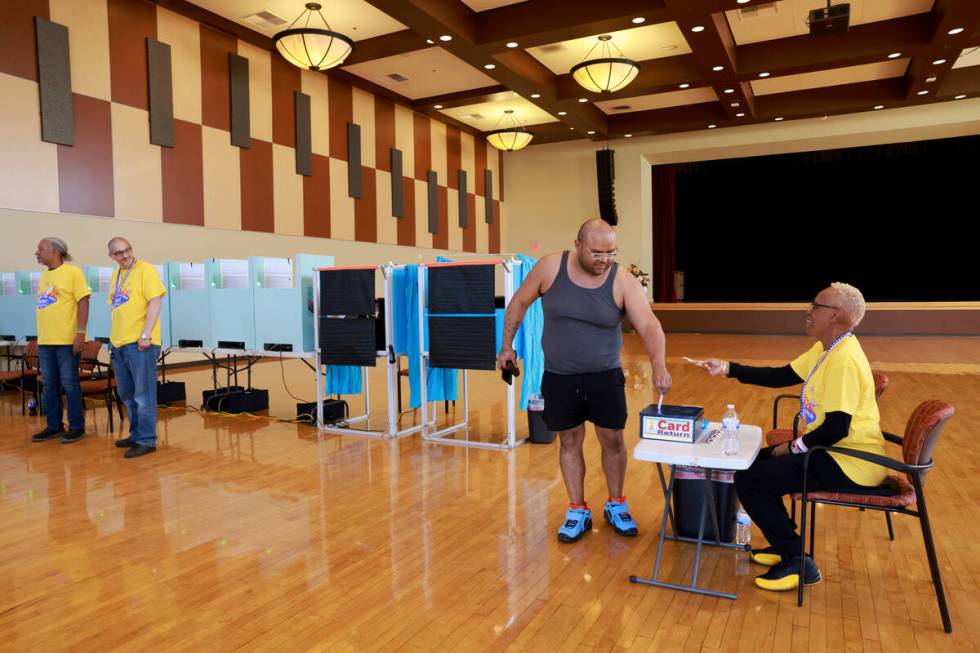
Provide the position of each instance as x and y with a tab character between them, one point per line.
884	461
775	410
891	437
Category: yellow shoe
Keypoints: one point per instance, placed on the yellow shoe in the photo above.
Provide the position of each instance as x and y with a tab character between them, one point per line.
766	557
786	575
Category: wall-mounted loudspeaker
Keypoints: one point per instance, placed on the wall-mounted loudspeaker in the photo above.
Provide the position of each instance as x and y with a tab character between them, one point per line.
605	176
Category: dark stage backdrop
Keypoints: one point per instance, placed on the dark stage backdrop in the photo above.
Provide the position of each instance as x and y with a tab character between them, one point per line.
894	220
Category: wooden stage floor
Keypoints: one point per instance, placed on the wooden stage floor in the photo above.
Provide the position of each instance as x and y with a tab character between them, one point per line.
250	533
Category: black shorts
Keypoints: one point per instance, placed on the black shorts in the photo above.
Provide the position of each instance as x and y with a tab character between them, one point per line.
572	399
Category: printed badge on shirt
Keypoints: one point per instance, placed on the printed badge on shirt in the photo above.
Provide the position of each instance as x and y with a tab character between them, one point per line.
120	298
47	297
809	410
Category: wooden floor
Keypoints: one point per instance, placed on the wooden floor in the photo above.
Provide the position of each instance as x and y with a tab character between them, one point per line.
254	534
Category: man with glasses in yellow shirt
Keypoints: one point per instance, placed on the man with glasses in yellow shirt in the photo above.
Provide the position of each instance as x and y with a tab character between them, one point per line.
62	314
135	298
584	296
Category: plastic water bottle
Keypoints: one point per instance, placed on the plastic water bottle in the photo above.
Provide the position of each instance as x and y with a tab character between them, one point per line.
729	425
31	407
743	523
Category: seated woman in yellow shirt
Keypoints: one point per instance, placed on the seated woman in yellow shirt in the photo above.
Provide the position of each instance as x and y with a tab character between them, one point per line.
837	405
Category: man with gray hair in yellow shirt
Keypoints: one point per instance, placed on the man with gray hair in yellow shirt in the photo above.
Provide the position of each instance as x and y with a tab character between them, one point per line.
62	314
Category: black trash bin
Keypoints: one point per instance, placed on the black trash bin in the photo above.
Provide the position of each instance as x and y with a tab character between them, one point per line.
689	498
537	430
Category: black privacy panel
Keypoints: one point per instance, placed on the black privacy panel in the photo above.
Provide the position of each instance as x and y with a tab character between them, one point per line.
462	343
461	289
347	292
347	341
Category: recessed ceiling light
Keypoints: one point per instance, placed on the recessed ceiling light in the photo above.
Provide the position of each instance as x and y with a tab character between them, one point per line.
778	118
437	106
930	80
718	68
712	126
960	96
583	99
512	44
562	113
743	2
938	62
489	66
430	41
445	37
627	135
571	129
639	20
739	115
729	90
763	74
590	132
895	55
922	93
879	106
685	86
535	95
955	31
697	28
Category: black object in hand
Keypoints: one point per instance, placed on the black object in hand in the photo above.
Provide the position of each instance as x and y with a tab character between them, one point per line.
509	371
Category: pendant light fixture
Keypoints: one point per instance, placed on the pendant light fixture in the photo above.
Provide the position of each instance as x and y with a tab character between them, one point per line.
512	136
309	42
605	73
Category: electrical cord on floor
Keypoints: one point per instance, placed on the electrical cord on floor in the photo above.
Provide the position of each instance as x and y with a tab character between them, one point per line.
282	369
303	419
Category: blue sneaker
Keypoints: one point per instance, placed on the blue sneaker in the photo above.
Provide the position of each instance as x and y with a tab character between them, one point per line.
618	515
578	522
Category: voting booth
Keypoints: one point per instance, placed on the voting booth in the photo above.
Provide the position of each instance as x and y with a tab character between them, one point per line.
18	302
98	279
190	313
165	335
231	303
283	296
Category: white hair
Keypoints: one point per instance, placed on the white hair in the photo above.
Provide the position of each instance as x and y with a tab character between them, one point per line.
851	302
59	246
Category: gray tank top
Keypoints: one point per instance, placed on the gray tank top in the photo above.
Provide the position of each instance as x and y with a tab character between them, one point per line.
582	332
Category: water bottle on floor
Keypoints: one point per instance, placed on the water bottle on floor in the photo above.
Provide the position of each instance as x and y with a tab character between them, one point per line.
743	523
729	437
31	407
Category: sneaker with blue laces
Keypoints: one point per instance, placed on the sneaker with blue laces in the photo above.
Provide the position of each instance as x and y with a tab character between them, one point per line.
618	516
578	522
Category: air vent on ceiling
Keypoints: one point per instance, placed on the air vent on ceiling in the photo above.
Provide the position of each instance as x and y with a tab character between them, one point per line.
758	11
398	77
622	107
265	19
553	47
477	116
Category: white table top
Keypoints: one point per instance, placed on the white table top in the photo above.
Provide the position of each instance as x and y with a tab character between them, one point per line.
706	452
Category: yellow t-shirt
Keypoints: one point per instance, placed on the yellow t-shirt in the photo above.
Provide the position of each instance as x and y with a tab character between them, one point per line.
58	294
140	284
843	382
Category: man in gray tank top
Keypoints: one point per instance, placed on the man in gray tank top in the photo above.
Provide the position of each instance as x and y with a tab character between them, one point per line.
585	295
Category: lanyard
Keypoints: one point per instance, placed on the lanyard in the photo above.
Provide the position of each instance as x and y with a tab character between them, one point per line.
121	280
813	370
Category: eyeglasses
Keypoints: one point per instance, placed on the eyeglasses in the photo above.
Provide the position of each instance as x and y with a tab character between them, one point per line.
815	305
120	252
599	256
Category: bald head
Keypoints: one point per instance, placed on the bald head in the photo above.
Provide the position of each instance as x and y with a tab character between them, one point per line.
593	227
